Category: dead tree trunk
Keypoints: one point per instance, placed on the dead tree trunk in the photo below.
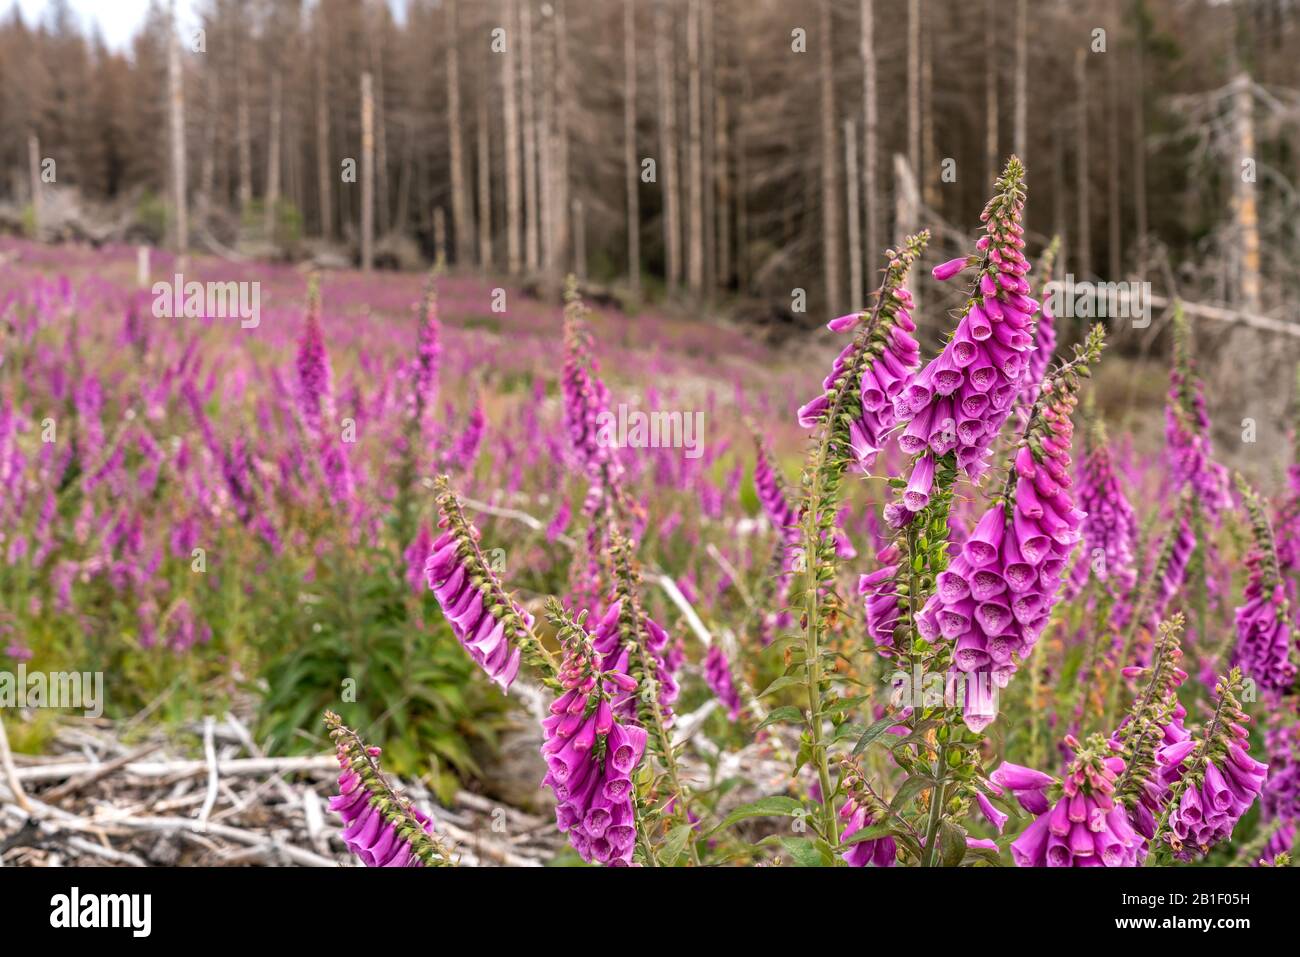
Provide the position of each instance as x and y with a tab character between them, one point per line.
34	172
273	158
914	85
1083	255
1139	147
367	172
510	106
1114	174
830	166
695	206
1020	132
176	98
323	172
629	149
1246	212
243	134
531	245
870	129
722	169
854	214
667	176
484	186
992	161
462	218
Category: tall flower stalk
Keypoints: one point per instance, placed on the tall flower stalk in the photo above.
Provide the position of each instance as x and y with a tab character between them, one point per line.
839	415
382	827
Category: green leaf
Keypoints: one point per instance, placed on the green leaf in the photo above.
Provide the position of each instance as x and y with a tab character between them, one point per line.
787	713
952	843
785	681
910	789
873	733
675	844
868	834
804	852
775	805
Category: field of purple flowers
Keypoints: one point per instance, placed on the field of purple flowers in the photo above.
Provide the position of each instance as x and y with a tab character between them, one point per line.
973	626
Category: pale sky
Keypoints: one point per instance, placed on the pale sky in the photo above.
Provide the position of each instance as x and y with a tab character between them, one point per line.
117	20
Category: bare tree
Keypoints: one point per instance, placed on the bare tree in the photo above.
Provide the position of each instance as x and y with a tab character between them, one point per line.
367	172
273	156
529	111
914	85
484	185
695	159
992	157
629	149
1083	255
323	172
830	168
1020	131
176	100
668	146
460	206
870	128
854	214
510	107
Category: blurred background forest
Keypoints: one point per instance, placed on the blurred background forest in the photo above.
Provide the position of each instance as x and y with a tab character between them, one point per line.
729	154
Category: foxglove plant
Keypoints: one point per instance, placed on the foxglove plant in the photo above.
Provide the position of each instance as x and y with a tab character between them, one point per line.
381	827
1265	637
1085	826
1187	430
863	808
590	754
1220	784
1110	528
957	404
994	600
496	632
717	674
833	453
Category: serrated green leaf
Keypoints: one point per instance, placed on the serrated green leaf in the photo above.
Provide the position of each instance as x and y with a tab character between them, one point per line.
674	844
873	733
787	713
775	805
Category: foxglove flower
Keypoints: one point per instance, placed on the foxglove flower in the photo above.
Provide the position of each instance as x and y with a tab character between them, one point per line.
1280	801
1187	431
495	632
1085	827
622	643
1264	637
591	754
957	404
1221	784
381	827
717	674
315	386
586	399
994	600
862	810
869	374
1110	528
1264	634
881	600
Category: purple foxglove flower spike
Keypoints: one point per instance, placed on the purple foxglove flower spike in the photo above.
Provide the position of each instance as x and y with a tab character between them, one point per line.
381	827
717	673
